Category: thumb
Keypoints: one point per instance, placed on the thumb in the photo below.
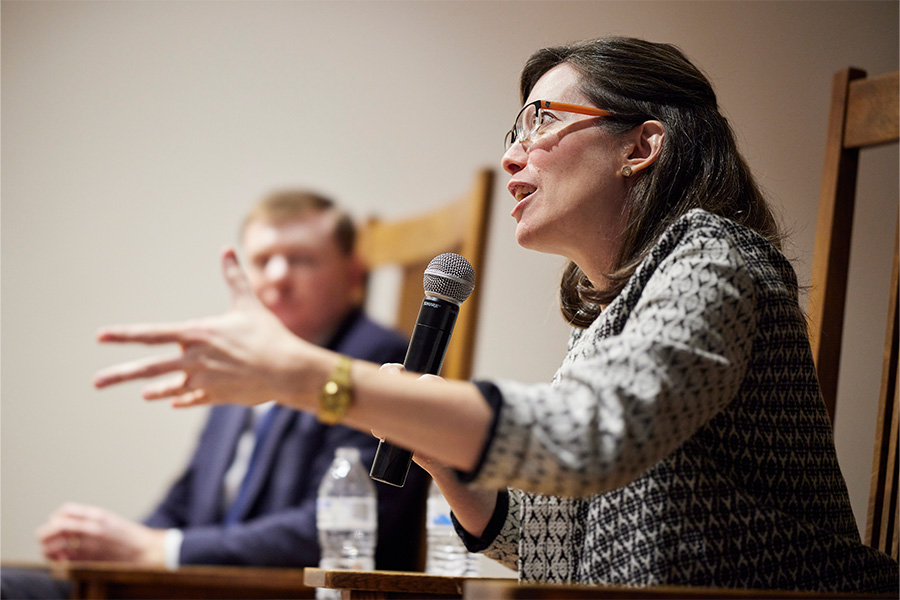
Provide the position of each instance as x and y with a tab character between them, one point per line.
238	285
392	368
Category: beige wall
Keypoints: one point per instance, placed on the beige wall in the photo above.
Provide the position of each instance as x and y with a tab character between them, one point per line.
135	134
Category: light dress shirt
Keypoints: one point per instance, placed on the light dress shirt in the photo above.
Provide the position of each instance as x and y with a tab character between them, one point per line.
231	484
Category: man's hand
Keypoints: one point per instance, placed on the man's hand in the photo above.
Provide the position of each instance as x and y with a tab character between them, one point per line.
80	532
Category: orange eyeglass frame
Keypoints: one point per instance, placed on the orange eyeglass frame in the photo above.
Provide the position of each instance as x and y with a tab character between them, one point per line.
512	137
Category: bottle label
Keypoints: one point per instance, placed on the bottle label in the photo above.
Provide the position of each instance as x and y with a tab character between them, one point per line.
341	514
439	514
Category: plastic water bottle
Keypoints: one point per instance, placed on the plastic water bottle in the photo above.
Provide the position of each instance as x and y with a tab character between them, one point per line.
346	517
446	554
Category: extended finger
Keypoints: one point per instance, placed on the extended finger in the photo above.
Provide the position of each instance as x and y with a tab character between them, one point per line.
174	386
147	333
191	398
138	369
241	291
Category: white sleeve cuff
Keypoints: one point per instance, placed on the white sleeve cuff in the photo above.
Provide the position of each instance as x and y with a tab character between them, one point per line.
172	547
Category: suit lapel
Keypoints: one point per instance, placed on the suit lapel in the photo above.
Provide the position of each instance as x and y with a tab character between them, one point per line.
267	455
230	424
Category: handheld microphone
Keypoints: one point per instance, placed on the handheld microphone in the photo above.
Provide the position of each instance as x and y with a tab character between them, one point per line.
449	279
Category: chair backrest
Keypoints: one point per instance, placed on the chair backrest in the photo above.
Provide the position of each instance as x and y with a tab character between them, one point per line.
410	243
865	112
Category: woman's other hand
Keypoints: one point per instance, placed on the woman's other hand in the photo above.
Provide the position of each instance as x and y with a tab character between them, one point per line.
473	507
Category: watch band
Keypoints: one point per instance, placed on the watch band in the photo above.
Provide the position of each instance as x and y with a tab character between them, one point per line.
337	393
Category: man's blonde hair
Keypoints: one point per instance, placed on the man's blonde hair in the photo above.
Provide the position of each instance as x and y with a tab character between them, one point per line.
287	205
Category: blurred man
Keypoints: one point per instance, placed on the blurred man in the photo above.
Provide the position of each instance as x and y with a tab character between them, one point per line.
248	499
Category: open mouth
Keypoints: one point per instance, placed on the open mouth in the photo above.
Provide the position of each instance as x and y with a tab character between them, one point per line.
523	192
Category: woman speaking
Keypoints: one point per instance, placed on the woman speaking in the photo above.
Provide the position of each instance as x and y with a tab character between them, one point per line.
683	439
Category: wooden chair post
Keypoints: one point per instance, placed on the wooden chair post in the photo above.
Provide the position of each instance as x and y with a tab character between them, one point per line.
865	112
882	520
410	243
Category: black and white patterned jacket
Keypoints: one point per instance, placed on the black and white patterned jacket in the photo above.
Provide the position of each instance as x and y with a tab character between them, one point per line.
683	440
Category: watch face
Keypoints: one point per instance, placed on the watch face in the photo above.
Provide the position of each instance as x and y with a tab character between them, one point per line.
336	394
334	402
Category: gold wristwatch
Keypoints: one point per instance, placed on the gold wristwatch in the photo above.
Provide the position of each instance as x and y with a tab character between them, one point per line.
337	393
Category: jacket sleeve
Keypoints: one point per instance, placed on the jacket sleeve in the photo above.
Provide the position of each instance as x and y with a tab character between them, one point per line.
500	539
174	511
170	513
282	539
620	403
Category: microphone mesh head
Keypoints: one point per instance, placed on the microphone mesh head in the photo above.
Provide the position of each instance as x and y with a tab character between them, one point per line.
450	277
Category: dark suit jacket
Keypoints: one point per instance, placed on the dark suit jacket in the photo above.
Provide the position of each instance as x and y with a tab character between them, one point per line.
279	528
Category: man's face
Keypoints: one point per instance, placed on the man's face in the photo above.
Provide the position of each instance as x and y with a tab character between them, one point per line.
299	273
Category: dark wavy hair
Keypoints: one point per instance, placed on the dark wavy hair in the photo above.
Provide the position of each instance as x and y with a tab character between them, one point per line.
699	165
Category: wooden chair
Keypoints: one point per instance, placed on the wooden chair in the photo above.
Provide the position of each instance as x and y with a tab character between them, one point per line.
864	113
410	243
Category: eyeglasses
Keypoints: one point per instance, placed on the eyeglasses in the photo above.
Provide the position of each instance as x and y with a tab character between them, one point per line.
534	115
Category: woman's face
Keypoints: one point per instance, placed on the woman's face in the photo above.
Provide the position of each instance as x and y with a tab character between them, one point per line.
567	181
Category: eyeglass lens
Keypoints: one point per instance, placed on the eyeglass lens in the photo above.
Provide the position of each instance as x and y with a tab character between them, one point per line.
526	122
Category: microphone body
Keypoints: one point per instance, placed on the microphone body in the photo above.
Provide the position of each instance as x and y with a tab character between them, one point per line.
449	279
425	355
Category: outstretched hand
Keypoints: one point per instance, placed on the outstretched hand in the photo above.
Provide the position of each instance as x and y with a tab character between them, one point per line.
238	357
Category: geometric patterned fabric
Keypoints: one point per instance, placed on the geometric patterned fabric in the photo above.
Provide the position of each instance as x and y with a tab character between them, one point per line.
683	440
